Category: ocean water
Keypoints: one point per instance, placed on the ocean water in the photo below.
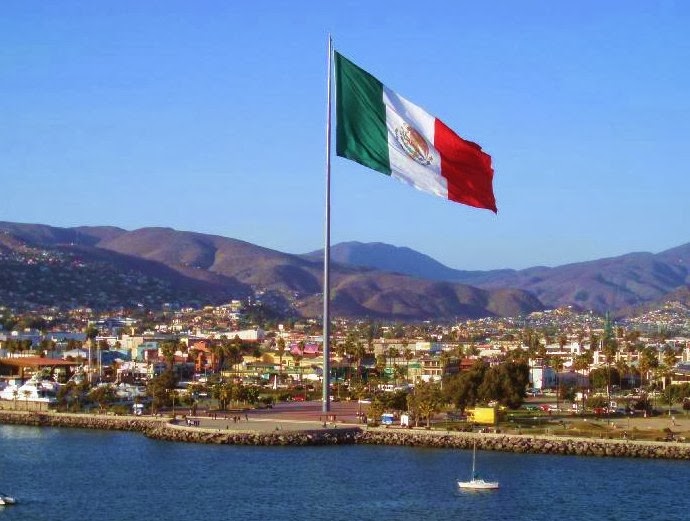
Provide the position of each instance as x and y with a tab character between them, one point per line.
71	474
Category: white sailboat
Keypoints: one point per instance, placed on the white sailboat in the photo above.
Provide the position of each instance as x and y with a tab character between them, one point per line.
477	483
6	500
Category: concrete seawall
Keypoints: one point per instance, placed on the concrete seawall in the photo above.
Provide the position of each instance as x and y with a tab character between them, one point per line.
80	421
163	429
339	436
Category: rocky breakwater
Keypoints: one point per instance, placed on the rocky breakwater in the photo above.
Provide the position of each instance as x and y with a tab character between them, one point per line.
80	421
171	432
527	444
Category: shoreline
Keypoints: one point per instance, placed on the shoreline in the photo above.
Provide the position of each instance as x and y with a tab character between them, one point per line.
313	434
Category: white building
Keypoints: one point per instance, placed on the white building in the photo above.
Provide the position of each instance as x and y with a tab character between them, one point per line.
248	335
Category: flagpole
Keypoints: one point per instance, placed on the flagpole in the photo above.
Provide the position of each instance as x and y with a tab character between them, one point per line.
326	404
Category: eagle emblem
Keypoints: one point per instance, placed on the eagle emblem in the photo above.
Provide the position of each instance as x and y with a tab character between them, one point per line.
414	144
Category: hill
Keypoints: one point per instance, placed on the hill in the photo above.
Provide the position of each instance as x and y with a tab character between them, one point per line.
108	267
606	284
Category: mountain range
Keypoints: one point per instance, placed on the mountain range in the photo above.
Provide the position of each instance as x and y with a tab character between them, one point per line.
610	284
107	267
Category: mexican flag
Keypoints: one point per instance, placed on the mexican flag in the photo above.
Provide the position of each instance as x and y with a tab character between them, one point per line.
382	130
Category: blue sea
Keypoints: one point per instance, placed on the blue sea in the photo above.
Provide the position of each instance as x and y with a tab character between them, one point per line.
71	474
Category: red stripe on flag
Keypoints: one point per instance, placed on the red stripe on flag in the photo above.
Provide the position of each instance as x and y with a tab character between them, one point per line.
466	167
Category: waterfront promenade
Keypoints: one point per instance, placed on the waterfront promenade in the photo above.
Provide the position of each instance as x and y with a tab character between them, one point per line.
307	415
294	416
301	424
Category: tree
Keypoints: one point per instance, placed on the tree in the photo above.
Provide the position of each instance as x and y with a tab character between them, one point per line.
490	388
593	341
224	392
669	358
623	370
408	354
376	409
91	333
505	384
233	353
12	346
648	362
399	372
168	350
562	341
381	364
514	377
47	345
219	350
27	393
582	362
159	388
103	395
280	347
610	348
360	352
463	389
392	355
601	378
425	401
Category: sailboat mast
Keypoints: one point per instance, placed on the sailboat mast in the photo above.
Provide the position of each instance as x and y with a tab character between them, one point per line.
474	458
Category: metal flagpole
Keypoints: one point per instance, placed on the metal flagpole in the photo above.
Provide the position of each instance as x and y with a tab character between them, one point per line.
326	404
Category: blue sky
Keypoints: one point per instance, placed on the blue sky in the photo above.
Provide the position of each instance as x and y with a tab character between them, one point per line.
210	116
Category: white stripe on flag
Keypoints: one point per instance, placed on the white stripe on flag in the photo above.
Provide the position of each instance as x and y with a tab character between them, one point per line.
425	177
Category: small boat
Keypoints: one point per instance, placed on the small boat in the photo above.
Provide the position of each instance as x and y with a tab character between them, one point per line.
477	483
6	500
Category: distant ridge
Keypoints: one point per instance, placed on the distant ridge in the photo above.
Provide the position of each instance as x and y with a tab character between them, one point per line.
373	280
609	284
105	267
400	259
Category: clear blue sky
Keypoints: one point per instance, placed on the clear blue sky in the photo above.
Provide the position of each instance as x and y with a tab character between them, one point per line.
209	116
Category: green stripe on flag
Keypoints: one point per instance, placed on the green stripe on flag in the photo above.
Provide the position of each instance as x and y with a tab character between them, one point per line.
361	131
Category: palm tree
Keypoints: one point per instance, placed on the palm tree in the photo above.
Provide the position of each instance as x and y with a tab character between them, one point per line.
359	352
610	348
623	369
392	355
562	341
12	346
168	349
219	350
408	354
444	358
280	347
399	372
46	345
557	365
669	362
298	358
370	346
381	364
647	362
